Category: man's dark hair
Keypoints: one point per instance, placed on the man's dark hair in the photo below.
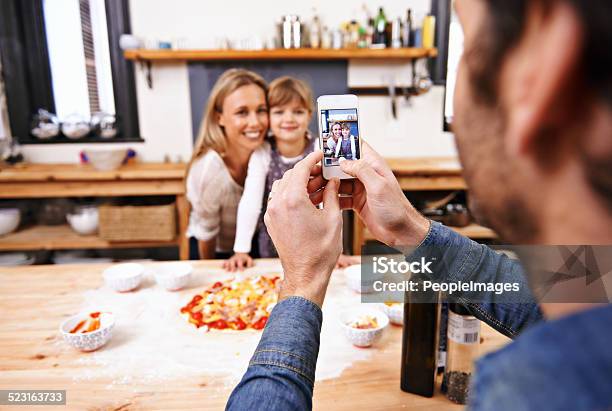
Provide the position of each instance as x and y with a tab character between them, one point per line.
505	25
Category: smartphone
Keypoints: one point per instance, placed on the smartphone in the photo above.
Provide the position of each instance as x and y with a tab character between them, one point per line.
339	132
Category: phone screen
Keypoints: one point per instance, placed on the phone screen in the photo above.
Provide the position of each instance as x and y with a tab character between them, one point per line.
339	135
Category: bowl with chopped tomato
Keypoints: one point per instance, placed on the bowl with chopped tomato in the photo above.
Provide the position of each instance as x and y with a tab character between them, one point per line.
363	326
89	331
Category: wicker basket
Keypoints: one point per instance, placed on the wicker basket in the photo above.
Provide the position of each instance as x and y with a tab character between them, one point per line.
138	223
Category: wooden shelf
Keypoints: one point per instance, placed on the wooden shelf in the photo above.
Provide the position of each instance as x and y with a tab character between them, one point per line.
280	54
64	238
473	231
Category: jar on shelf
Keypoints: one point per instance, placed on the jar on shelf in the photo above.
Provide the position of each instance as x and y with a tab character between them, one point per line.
462	350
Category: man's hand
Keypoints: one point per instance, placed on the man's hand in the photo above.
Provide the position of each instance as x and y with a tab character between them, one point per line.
308	240
238	262
378	200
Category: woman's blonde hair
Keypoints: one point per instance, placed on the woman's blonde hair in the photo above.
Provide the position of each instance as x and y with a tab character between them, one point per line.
286	89
211	134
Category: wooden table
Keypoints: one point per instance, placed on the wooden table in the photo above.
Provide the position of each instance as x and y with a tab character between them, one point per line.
27	181
35	300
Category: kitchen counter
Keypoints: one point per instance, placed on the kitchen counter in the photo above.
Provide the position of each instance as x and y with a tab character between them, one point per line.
35	300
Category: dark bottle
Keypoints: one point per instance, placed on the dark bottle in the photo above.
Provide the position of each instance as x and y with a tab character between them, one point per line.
407	31
380	30
420	343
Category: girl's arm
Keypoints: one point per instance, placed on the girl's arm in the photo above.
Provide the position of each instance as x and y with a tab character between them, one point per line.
250	204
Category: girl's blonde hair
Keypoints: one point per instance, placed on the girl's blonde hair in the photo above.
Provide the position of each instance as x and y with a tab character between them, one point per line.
211	134
284	90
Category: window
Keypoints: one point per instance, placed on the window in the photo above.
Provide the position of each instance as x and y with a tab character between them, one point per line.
64	56
77	40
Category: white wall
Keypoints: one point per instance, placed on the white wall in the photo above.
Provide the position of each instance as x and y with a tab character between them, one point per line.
164	111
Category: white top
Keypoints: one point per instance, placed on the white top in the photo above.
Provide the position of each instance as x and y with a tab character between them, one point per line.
214	197
250	205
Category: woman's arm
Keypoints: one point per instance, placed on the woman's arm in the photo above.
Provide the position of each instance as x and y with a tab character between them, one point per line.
206	249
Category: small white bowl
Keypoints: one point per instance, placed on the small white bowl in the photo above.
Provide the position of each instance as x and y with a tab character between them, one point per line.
88	341
106	159
84	221
354	281
395	312
124	277
173	276
9	220
367	337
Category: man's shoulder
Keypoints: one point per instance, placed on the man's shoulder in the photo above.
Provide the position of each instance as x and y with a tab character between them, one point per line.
561	364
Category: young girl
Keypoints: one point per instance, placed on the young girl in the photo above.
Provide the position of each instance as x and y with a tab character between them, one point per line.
290	102
346	147
234	125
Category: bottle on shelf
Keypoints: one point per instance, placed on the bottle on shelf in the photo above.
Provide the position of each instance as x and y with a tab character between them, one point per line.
420	343
369	37
314	33
462	346
326	38
396	33
407	31
429	31
379	38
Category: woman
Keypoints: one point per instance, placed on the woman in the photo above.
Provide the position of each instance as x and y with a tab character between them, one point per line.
347	147
234	124
336	131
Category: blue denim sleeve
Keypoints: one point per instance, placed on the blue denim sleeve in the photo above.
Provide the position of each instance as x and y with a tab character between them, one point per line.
282	371
461	259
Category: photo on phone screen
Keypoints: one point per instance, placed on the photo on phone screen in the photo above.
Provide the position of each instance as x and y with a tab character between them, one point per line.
339	135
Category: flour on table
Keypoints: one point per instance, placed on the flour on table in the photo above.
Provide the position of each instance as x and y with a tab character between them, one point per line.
153	342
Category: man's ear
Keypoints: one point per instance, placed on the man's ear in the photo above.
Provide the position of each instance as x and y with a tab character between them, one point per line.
539	72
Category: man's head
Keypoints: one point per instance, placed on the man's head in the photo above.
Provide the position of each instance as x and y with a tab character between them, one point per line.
533	113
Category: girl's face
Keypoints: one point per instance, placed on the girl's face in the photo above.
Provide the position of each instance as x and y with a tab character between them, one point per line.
244	118
289	122
336	131
346	132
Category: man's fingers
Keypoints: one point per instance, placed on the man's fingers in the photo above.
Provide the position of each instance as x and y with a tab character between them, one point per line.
363	171
302	170
330	196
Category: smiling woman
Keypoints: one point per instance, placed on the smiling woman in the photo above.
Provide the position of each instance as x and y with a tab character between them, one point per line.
235	122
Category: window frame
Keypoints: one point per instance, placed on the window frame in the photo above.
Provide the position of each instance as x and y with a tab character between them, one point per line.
23	44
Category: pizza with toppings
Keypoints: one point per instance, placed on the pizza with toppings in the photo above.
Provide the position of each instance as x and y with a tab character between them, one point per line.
234	304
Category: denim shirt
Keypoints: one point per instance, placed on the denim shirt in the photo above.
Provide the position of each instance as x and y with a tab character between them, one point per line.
558	365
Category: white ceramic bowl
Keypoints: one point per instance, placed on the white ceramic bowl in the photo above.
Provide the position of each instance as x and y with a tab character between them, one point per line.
353	279
9	220
173	276
106	159
88	341
395	312
363	338
124	277
84	221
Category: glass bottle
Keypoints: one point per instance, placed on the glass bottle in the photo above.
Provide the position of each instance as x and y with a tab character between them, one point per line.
420	343
462	346
379	39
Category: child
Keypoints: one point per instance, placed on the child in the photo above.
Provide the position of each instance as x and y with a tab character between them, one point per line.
346	147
